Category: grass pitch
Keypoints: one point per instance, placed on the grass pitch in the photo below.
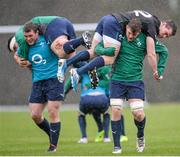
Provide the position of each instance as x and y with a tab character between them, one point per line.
20	136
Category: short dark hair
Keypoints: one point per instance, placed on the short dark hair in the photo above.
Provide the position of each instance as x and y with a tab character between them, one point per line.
29	26
9	41
172	24
135	25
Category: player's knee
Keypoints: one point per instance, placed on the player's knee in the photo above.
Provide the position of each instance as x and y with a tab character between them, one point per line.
57	46
116	107
91	53
97	37
53	113
36	117
108	59
137	108
139	115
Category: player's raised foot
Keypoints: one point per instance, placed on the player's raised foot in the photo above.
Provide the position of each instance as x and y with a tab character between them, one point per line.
83	140
99	137
74	78
117	150
87	39
123	138
106	140
140	144
52	148
62	66
93	78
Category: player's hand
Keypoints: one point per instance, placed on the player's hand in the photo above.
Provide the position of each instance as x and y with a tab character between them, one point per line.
23	62
160	78
157	77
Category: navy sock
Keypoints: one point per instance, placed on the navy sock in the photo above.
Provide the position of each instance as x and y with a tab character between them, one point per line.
80	56
71	45
116	132
96	62
122	126
106	121
97	118
55	130
140	126
44	125
82	125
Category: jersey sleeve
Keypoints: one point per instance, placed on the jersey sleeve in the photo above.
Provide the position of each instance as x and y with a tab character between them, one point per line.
163	54
22	45
104	76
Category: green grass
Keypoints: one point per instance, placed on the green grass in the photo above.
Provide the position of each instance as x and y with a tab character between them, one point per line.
19	135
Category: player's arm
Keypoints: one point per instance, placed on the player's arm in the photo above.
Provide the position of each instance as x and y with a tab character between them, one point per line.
116	44
151	55
163	54
100	50
21	61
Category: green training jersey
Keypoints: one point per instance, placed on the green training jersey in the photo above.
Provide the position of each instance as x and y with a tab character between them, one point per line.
129	64
23	47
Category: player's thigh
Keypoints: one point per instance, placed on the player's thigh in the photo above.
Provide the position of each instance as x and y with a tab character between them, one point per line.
117	92
96	40
37	95
109	59
136	90
57	45
54	90
54	106
59	27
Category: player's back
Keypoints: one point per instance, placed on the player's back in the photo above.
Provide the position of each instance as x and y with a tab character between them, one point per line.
150	23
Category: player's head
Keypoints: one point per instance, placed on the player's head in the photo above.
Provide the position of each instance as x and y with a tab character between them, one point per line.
167	28
133	28
12	44
31	33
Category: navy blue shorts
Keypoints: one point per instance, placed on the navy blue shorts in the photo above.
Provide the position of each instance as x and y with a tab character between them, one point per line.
88	103
44	90
59	27
110	27
127	90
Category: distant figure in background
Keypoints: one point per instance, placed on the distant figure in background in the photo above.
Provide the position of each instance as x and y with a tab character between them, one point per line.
95	102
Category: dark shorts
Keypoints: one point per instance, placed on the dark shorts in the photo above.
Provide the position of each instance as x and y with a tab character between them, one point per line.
44	90
88	103
110	27
59	27
127	90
